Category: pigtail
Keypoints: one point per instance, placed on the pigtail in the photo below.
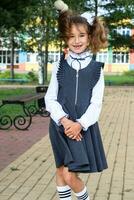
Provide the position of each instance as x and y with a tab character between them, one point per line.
98	35
63	19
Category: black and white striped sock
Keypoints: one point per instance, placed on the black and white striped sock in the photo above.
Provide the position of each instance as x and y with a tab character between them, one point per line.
64	192
83	195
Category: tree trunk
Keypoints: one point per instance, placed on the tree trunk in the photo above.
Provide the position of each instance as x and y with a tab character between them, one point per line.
96	13
41	67
46	49
12	55
46	61
96	7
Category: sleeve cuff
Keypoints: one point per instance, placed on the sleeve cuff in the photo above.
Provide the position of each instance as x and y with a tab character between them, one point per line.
84	127
57	119
58	122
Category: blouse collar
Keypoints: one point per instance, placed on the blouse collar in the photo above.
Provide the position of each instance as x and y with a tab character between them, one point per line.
81	56
78	61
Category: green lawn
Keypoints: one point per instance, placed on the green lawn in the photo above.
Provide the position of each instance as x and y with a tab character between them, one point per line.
119	79
6	93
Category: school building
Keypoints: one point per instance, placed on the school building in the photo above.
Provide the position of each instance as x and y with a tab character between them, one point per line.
115	61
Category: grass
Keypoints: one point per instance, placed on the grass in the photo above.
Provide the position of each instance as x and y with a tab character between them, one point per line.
24	78
13	109
119	79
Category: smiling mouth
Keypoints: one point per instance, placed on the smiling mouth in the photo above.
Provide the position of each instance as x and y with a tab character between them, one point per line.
78	46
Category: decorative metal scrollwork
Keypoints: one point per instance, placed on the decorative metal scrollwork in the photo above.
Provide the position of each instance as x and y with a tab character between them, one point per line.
5	122
42	111
37	108
24	120
32	109
21	123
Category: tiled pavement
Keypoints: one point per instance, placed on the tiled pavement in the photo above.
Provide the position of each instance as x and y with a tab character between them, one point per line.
15	142
32	175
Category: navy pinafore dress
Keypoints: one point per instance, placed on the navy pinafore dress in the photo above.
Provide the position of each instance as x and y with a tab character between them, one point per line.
75	92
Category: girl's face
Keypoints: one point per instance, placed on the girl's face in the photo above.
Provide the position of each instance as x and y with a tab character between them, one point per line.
79	39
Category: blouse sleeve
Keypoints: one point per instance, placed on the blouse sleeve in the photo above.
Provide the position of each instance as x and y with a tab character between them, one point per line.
92	113
52	105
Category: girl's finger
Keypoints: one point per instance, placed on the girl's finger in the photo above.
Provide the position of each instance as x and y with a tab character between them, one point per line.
68	131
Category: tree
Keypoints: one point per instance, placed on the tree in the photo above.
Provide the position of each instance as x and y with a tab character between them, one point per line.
120	14
40	30
116	13
12	16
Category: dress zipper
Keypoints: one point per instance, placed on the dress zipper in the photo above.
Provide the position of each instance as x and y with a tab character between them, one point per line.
76	89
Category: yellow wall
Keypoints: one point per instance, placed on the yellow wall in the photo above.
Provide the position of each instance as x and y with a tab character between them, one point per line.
34	67
116	67
31	66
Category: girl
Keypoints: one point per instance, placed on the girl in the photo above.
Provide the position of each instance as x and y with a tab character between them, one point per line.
74	99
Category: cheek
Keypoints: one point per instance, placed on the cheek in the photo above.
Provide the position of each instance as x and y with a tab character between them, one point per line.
68	42
87	42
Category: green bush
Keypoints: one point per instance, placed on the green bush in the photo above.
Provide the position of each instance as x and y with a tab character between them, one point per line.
32	76
7	74
129	73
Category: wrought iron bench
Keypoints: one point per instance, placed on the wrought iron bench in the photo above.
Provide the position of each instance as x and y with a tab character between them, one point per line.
23	121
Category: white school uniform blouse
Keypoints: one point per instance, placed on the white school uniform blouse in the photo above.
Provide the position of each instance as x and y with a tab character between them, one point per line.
92	113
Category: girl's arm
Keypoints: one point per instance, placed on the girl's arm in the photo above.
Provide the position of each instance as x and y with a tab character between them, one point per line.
52	105
92	113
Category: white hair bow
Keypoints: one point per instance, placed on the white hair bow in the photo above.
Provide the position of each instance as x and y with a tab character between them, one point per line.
88	16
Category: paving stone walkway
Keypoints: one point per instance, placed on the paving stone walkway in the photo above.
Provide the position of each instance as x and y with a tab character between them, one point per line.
32	175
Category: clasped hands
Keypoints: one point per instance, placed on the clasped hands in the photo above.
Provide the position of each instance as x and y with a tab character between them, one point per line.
72	129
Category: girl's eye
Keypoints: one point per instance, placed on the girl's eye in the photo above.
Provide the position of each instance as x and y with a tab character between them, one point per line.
71	36
82	35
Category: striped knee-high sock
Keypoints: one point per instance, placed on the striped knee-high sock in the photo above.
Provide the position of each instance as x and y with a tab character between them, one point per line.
64	192
83	195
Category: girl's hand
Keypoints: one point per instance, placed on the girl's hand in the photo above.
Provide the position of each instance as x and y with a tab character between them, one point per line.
72	129
78	138
66	123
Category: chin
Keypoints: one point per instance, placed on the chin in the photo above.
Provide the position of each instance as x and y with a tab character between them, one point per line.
78	51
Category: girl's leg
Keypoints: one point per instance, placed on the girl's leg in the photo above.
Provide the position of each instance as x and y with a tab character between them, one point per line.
63	189
76	184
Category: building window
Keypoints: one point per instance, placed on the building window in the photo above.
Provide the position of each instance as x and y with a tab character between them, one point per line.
122	31
53	56
120	57
36	59
0	59
28	57
5	57
17	57
102	57
8	57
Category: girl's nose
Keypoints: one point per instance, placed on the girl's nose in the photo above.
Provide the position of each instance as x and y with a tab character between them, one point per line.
77	40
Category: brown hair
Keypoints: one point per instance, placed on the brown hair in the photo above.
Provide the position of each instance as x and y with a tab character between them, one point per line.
96	31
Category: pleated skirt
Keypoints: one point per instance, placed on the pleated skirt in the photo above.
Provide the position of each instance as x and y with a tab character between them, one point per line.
85	156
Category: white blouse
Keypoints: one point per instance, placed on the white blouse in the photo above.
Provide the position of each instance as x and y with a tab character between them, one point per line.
92	113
